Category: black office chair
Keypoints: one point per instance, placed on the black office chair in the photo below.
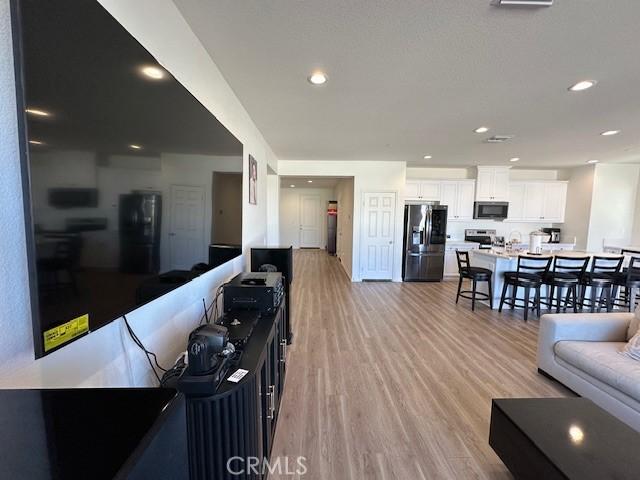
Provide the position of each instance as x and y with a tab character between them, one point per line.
475	274
629	280
564	277
599	279
528	275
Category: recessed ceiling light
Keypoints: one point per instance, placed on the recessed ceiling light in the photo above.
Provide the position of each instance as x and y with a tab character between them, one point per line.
427	157
514	159
309	181
582	85
317	78
135	147
153	72
37	112
481	129
592	161
292	186
36	142
608	133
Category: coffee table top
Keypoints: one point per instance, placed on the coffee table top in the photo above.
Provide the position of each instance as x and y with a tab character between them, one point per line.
578	437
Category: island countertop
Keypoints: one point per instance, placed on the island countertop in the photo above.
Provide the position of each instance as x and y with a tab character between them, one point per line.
501	253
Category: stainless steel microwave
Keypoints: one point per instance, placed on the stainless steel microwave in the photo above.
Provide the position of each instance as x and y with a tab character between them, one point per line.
491	210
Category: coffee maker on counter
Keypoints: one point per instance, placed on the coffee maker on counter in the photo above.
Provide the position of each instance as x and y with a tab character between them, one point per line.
554	234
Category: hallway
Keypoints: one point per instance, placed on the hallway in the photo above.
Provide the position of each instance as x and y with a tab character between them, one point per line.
390	380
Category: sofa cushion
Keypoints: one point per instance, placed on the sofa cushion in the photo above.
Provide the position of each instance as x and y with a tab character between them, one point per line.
602	360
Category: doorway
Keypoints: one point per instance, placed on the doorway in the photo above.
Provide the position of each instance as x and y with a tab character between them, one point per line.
377	245
186	236
226	208
309	221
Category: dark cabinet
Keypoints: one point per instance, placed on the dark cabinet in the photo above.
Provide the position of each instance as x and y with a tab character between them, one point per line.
239	420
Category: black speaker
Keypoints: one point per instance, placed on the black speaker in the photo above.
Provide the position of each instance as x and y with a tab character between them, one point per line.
282	259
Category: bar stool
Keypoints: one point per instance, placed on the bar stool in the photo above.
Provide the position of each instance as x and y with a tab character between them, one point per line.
601	276
566	274
629	280
475	274
528	276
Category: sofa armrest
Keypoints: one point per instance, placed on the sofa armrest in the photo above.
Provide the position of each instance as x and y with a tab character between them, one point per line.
588	327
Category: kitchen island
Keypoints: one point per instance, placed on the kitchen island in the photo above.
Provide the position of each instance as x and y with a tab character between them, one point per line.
499	260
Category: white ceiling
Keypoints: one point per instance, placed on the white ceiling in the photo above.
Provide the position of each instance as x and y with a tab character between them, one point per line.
303	182
412	78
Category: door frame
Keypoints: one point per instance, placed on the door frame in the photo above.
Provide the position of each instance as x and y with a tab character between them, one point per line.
172	216
363	223
318	219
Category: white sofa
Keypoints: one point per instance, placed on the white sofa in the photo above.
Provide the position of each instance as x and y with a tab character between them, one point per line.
581	351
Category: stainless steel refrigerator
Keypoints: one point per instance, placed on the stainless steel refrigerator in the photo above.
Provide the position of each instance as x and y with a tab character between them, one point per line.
139	228
425	235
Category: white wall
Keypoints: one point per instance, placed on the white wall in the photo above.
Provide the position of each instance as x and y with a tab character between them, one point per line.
368	176
290	213
344	241
578	209
273	207
107	357
615	189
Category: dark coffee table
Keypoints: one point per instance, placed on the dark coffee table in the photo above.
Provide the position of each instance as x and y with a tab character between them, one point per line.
559	438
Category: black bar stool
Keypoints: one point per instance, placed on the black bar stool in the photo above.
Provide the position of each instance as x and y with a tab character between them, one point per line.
475	274
565	276
600	277
528	276
629	280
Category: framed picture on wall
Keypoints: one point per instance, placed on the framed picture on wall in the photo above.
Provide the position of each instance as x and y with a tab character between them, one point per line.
253	181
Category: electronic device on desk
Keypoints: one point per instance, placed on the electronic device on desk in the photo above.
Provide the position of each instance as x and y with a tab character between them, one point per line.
239	325
260	291
210	355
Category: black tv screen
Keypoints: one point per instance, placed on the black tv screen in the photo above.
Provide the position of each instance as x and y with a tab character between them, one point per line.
129	178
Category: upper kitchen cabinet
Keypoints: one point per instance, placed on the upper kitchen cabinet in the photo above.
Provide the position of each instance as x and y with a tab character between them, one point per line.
427	190
492	184
537	201
458	196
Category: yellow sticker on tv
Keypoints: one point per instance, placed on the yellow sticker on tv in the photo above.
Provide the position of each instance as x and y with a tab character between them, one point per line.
61	334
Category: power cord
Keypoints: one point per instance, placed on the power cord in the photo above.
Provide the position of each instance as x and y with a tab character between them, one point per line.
147	353
168	374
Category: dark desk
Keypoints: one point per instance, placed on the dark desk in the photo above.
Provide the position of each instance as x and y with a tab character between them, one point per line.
560	438
92	433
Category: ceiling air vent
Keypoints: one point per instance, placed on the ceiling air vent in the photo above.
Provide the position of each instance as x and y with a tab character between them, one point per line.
499	138
522	3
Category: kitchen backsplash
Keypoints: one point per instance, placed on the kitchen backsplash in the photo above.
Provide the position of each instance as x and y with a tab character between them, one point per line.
455	230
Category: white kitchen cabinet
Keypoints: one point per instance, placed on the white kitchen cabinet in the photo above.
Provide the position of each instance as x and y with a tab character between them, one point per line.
427	190
555	201
517	194
412	189
451	259
458	196
537	201
492	184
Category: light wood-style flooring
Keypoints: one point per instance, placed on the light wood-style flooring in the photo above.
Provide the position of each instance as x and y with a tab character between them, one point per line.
395	381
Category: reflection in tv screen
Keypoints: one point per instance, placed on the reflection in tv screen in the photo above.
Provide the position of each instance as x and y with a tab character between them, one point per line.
131	178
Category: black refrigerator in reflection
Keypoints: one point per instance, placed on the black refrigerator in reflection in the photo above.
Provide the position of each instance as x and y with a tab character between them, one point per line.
139	229
425	235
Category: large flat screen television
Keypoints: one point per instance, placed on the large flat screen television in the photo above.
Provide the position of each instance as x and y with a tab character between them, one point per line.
128	178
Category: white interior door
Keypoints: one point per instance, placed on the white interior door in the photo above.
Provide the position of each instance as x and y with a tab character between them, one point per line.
310	221
186	235
378	236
